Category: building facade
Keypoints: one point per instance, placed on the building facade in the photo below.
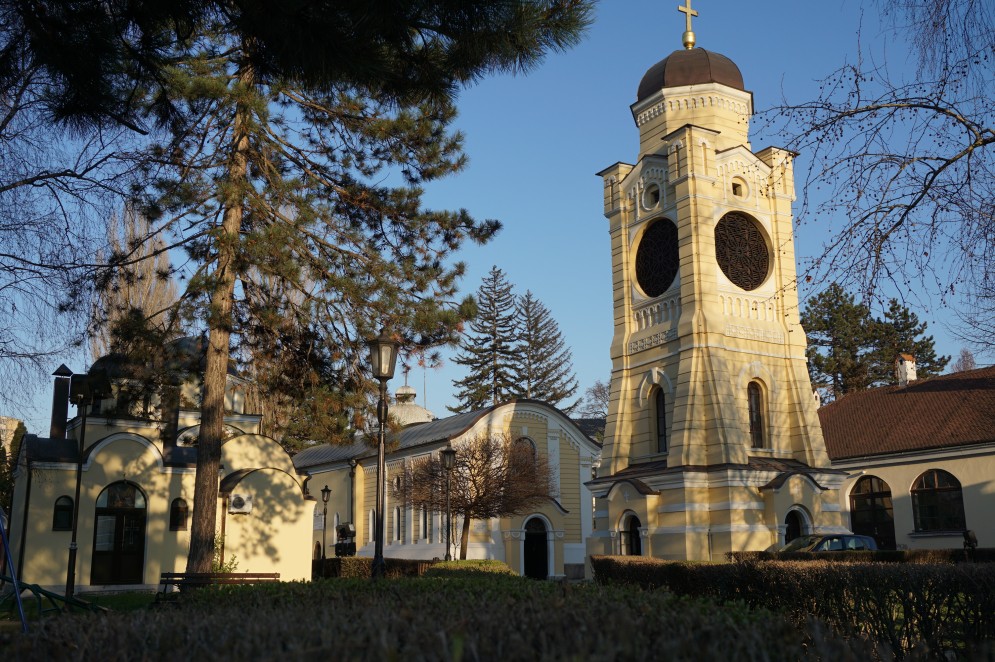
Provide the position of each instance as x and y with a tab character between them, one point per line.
919	458
712	442
136	492
547	541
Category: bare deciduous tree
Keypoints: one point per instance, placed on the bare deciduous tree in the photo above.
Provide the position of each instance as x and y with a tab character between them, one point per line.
908	159
494	476
964	362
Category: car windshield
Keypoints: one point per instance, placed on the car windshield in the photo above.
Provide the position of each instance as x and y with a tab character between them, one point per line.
800	542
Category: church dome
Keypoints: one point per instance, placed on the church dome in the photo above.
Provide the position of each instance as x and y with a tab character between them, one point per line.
690	67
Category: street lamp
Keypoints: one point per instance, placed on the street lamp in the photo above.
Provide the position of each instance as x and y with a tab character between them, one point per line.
383	356
83	389
325	493
448	460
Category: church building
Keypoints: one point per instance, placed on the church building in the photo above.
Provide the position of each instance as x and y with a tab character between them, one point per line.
712	443
135	455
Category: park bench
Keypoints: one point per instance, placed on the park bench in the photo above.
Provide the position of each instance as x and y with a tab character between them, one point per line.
181	580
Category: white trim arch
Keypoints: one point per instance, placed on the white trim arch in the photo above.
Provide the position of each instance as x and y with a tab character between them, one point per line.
550	544
654	377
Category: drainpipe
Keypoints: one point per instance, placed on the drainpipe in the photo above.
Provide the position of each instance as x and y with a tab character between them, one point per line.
27	506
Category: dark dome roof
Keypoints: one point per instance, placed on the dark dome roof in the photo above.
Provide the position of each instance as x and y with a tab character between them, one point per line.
690	67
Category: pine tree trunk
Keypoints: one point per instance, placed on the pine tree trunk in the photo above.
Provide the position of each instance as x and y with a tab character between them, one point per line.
212	422
464	538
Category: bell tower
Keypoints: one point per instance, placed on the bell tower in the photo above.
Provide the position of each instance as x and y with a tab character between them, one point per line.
712	437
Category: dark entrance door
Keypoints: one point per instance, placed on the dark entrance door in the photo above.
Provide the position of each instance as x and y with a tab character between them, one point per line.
536	549
871	511
632	542
792	526
119	536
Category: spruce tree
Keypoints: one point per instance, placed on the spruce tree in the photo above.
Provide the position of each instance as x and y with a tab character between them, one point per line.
275	184
543	366
841	342
900	331
488	349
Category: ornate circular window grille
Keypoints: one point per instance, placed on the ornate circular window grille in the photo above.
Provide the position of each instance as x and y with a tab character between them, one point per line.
741	250
657	258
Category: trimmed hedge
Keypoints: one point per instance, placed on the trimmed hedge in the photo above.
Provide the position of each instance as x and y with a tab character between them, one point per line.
362	566
983	555
938	608
498	617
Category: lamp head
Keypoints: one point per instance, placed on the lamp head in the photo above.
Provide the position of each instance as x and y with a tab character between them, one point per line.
448	457
383	356
325	493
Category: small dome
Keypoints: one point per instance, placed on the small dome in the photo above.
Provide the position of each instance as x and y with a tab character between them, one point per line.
405	394
690	67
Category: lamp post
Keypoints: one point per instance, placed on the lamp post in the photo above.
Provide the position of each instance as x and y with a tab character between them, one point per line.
325	493
448	460
82	390
383	355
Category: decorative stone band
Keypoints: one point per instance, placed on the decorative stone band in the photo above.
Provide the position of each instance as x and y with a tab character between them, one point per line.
750	333
519	534
652	341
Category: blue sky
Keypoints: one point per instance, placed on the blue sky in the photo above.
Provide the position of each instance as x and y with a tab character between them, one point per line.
535	142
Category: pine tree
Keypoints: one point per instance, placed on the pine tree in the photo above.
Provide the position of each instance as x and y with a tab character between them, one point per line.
543	367
841	340
488	350
279	126
900	331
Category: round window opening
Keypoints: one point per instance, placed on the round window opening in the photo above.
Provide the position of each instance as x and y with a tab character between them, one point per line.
657	258
741	250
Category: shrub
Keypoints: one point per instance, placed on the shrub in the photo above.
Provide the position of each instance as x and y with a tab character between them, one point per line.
468	568
942	607
495	617
984	555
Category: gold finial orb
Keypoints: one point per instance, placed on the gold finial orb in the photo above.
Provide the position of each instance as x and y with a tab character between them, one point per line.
688	36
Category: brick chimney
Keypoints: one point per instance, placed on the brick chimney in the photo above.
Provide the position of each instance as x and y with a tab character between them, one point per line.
905	369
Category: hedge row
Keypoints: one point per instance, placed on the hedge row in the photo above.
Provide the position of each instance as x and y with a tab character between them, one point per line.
984	555
481	618
362	567
938	608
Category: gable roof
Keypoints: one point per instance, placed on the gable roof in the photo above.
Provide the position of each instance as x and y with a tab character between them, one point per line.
940	412
419	434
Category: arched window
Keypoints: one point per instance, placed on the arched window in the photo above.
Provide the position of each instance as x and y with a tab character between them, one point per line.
397	524
371	529
660	420
317	550
335	529
871	511
937	502
62	515
755	400
178	512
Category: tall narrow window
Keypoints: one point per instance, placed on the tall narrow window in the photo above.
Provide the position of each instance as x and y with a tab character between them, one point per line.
62	517
424	523
660	414
371	529
755	398
178	512
397	524
938	502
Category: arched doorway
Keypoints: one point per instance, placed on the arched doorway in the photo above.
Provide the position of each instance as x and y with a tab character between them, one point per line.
119	535
536	549
871	511
631	541
793	526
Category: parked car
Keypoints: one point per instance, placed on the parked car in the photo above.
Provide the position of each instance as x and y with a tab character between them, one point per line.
830	543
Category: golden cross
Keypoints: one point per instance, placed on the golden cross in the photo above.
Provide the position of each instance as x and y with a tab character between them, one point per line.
688	37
